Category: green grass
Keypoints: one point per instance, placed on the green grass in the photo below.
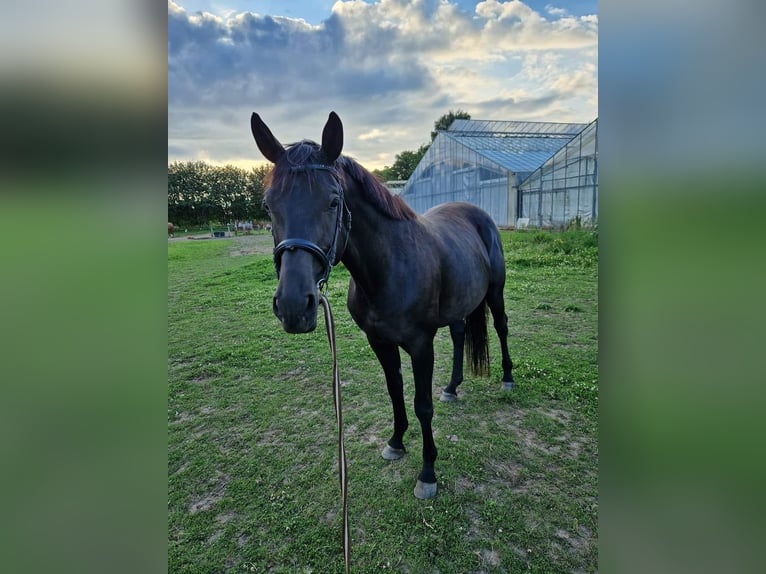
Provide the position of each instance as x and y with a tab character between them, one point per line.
252	468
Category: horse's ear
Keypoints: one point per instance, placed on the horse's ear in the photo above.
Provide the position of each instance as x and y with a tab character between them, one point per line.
270	147
332	138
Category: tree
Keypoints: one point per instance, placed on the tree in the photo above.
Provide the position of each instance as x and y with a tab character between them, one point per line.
199	193
256	186
382	174
406	162
228	193
446	120
188	184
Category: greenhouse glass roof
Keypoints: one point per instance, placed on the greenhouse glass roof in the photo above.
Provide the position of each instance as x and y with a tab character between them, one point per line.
517	146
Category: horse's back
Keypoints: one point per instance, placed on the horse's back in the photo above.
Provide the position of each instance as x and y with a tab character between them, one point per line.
458	213
467	223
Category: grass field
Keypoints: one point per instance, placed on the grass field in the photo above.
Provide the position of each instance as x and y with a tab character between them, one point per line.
252	469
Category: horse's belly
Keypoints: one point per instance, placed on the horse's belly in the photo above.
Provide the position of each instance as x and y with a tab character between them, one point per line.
460	298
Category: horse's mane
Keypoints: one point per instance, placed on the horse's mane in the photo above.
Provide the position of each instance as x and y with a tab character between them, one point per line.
378	194
375	192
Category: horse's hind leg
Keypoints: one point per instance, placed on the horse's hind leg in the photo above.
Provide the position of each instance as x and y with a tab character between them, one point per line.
422	353
497	307
457	332
390	360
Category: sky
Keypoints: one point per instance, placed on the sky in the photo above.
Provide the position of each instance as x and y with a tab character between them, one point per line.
389	68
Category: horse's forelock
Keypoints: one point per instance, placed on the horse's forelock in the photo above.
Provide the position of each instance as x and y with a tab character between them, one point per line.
296	154
301	153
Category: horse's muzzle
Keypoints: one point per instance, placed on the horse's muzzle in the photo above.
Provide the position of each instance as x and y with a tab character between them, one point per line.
297	314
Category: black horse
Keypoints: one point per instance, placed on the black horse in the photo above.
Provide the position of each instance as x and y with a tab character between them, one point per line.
410	274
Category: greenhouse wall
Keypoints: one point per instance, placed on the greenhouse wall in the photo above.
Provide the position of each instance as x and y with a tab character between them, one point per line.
565	188
450	171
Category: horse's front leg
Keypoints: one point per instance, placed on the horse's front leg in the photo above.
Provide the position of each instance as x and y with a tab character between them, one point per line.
422	355
388	355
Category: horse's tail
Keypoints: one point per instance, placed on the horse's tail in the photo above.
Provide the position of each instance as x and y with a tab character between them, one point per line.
476	344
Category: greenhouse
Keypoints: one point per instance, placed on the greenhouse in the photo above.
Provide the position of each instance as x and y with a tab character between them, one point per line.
541	174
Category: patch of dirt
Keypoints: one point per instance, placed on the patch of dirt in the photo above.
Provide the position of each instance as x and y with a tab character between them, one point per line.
565	444
261	244
526	437
509	472
463	484
561	417
181	417
520	552
181	469
392	474
575	447
329	518
579	541
489	558
476	524
372	439
224	518
297	374
200	380
207	501
269	438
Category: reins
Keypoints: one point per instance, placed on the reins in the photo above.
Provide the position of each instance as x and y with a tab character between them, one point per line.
342	463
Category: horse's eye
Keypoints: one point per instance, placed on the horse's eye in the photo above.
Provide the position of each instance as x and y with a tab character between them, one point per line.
334	203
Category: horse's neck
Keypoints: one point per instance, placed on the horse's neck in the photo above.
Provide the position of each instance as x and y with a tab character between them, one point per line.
372	240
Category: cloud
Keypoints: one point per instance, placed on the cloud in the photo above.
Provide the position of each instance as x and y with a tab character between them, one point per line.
373	134
555	11
389	68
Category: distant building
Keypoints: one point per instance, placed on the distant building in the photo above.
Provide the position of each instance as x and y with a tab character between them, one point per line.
540	174
396	186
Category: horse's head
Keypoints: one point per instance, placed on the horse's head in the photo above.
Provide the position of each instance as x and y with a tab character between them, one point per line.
309	218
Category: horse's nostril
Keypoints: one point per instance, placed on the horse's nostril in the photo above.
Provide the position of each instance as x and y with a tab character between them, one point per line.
311	303
275	306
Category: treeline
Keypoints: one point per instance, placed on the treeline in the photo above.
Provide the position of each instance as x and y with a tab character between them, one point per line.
199	193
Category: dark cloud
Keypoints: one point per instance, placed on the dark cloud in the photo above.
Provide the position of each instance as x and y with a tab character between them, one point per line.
262	59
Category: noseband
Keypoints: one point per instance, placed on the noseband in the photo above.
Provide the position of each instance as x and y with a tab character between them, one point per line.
329	258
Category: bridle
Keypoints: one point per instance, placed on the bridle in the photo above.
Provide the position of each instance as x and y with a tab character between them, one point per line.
329	258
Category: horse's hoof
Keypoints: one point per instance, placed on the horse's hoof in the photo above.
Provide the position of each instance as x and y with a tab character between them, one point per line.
508	385
425	490
447	397
392	453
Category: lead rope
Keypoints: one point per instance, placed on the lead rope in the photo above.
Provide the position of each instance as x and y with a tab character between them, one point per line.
342	464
